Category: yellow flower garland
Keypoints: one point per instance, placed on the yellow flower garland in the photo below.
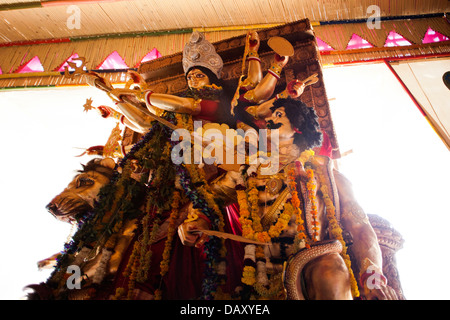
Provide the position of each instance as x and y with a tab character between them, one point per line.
296	204
251	222
311	187
248	275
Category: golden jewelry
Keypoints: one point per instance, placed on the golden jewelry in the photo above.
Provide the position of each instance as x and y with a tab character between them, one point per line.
192	216
275	70
274	186
253	55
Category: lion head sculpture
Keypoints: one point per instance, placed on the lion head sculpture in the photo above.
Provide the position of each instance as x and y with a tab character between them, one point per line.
80	194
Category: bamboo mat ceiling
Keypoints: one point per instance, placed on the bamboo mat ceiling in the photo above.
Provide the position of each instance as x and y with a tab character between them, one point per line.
28	20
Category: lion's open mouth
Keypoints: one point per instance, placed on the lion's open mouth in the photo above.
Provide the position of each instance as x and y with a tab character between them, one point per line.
68	207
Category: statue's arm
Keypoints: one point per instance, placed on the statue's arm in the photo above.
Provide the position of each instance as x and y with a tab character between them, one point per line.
265	88
355	220
294	91
135	114
134	117
171	103
254	73
224	187
365	247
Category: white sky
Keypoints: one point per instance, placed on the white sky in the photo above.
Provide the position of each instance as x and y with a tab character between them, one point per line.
40	130
399	169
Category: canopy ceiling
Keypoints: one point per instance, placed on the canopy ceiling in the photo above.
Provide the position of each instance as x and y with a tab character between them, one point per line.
28	20
31	29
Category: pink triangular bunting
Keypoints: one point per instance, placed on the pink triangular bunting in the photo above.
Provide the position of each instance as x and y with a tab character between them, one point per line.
65	63
433	36
356	42
34	65
396	40
151	55
113	62
323	46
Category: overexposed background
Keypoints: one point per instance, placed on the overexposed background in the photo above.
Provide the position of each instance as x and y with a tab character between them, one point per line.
41	130
399	168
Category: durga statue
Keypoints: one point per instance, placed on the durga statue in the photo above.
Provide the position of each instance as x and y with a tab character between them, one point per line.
149	228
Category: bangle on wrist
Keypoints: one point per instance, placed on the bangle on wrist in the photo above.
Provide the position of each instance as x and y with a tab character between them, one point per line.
253	55
116	115
147	97
194	216
275	70
282	95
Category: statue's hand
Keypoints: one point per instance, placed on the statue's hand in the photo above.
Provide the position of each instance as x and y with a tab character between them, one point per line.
380	292
281	61
295	88
120	93
95	80
375	285
254	41
190	235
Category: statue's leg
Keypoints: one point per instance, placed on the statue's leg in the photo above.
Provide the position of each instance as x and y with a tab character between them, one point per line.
327	278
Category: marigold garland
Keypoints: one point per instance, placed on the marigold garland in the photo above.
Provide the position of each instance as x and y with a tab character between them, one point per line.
275	289
311	187
164	265
249	275
253	229
251	221
296	203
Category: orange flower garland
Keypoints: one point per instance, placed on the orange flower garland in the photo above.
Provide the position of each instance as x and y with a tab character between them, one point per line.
301	236
311	187
249	275
250	220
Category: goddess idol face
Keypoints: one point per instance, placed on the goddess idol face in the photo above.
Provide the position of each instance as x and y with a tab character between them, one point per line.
196	79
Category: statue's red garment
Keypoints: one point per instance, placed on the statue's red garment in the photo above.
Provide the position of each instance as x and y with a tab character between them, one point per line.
184	279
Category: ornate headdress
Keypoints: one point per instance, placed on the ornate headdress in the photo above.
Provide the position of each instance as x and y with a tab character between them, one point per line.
199	52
